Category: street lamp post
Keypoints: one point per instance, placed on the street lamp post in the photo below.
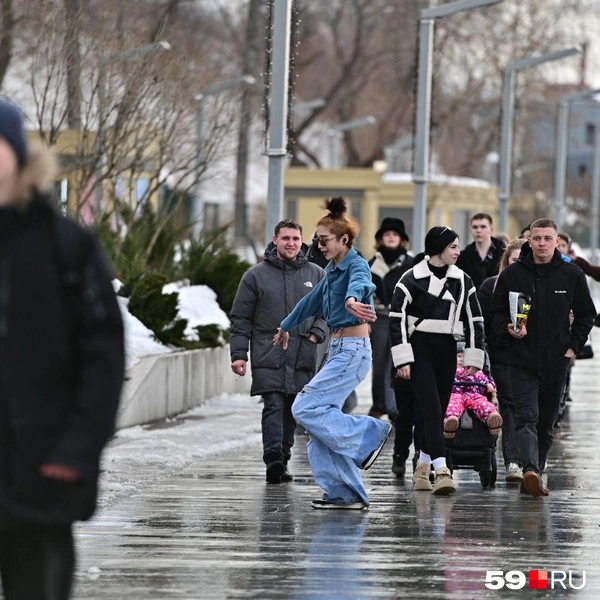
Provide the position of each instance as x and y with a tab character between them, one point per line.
508	109
197	209
278	113
127	55
333	135
308	106
421	153
562	145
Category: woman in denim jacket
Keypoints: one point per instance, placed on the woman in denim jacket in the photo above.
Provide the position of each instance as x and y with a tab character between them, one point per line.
340	445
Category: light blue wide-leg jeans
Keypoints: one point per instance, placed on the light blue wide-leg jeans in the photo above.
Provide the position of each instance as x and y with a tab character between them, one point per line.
339	443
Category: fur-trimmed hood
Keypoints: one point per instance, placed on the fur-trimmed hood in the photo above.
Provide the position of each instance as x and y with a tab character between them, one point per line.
37	175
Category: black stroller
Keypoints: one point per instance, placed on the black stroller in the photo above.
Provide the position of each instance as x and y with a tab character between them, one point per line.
473	446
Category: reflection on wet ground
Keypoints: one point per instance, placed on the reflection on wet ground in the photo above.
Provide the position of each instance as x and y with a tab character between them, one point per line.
215	530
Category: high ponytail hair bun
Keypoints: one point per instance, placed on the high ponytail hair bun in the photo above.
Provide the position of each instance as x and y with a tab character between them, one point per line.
337	207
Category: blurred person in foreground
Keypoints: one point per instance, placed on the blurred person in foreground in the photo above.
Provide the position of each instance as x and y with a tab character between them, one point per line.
61	339
540	350
266	294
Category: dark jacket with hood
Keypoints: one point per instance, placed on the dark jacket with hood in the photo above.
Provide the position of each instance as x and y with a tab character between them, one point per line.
267	293
61	365
555	289
478	270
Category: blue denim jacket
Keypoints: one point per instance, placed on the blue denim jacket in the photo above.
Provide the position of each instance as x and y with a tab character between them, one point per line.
350	279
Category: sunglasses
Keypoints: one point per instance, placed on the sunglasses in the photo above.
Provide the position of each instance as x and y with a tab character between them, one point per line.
323	241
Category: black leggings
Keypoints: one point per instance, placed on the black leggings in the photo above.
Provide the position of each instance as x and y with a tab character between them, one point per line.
432	375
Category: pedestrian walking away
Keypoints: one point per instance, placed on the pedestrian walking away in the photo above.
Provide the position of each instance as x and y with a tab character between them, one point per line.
390	262
480	259
61	339
539	351
340	444
434	305
266	294
497	349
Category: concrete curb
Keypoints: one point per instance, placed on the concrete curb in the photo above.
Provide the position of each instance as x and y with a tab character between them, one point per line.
164	385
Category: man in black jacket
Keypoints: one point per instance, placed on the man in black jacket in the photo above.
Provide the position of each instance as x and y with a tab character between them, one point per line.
61	371
266	295
539	351
481	258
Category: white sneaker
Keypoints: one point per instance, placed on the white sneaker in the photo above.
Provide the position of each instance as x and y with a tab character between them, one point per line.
514	473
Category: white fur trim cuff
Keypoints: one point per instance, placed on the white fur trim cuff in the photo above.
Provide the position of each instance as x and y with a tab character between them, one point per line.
402	354
473	357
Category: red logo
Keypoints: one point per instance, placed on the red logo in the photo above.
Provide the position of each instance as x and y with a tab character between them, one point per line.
538	580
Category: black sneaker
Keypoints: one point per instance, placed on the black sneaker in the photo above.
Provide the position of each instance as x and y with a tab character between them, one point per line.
399	464
373	456
286	476
275	471
326	504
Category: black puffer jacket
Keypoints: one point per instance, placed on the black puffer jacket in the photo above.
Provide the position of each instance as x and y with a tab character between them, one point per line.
497	347
555	289
61	366
477	269
266	295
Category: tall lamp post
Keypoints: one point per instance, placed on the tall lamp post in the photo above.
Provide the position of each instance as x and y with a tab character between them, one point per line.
127	55
421	155
278	112
308	106
333	135
508	110
197	212
562	146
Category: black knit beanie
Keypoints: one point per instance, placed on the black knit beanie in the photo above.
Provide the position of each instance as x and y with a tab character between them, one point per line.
438	239
11	129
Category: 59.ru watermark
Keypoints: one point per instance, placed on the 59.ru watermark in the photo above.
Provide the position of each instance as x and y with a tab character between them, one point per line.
535	580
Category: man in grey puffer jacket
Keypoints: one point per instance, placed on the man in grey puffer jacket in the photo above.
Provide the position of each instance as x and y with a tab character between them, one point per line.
266	295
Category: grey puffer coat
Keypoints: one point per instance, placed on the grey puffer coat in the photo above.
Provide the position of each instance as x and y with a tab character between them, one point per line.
266	295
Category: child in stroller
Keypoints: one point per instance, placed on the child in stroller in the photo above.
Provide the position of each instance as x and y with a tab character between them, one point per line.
468	394
472	425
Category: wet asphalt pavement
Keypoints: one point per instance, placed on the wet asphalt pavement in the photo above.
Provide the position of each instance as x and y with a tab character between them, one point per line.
214	529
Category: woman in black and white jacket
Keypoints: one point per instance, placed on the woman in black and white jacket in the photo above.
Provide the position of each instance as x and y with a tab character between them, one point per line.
434	305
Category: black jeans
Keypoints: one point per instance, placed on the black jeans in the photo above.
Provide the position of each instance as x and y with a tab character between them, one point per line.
37	563
506	403
537	401
278	427
383	395
432	376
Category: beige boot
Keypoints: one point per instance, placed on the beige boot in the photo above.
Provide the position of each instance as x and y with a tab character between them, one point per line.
421	481
444	484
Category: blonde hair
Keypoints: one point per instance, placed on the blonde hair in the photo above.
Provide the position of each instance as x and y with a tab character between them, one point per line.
337	221
510	248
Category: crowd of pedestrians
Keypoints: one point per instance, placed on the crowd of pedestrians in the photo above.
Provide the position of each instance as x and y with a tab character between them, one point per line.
439	332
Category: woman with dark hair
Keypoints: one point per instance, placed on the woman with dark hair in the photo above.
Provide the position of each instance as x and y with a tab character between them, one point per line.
390	262
499	360
340	445
434	305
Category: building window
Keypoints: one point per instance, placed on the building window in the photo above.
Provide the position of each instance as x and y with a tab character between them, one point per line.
590	131
582	170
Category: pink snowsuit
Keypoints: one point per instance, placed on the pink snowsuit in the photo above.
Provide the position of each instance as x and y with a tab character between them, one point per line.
465	397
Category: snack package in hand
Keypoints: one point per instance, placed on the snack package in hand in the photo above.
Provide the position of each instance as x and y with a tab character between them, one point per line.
520	305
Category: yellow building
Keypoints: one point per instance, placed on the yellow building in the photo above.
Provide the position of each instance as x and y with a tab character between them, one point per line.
373	195
77	156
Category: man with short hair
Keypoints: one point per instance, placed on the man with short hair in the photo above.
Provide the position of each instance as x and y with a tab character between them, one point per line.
266	294
539	352
481	258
